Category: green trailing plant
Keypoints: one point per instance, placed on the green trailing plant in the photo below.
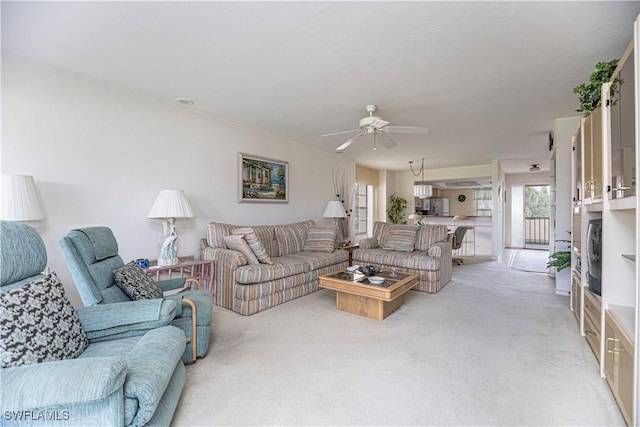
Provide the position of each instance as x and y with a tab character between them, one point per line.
589	93
560	259
396	208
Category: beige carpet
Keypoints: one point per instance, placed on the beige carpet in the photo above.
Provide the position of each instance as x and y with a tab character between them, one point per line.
495	347
530	260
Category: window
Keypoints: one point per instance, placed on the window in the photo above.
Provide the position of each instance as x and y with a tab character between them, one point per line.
483	201
363	210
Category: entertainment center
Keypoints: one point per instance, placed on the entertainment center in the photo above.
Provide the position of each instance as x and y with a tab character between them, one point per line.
604	284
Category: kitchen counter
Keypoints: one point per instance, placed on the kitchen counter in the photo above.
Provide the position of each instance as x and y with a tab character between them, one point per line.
478	239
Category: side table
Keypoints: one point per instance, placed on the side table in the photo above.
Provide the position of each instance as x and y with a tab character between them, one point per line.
350	249
187	266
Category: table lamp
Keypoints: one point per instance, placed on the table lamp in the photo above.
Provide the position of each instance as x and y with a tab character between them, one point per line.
335	210
169	205
20	199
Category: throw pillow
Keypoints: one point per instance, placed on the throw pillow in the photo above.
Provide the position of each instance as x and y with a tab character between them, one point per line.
401	239
255	244
135	283
320	238
238	243
38	324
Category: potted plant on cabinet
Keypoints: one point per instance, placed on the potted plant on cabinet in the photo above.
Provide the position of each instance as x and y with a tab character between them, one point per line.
589	93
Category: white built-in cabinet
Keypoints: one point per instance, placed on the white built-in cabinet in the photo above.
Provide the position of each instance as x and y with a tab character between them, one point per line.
605	168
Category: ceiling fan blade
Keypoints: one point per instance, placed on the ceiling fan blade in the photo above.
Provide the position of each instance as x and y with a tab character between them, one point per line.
349	142
387	141
341	133
406	129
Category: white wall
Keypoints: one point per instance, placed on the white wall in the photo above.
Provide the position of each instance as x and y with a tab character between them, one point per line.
100	154
498	213
563	130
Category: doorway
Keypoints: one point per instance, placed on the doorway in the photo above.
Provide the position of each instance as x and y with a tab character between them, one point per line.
536	216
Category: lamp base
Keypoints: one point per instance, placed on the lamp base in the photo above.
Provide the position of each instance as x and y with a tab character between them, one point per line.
168	261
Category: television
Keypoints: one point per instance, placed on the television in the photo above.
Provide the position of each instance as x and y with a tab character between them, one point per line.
594	256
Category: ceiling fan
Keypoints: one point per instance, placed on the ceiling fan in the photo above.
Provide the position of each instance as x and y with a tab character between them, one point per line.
374	125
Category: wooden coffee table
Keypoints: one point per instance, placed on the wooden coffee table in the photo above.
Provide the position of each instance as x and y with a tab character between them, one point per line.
354	293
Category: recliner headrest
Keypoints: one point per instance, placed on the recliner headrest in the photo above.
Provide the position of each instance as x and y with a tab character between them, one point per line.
103	241
23	253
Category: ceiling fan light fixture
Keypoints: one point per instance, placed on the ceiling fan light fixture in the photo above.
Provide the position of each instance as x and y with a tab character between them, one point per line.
534	168
374	125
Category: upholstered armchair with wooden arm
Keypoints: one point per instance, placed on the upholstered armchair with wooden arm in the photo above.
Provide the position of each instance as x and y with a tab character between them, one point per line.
95	366
92	257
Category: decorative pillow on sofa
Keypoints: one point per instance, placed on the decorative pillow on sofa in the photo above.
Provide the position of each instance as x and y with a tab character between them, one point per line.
320	238
238	243
135	283
255	244
38	324
401	238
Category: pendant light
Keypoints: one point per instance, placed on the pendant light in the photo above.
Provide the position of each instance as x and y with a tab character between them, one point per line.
420	189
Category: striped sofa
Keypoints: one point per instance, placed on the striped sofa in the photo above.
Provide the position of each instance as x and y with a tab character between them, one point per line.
248	287
421	250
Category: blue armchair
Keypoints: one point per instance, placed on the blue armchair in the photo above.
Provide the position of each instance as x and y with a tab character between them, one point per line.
92	256
129	370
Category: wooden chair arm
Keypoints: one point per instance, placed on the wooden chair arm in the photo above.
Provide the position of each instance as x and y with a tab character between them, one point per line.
196	281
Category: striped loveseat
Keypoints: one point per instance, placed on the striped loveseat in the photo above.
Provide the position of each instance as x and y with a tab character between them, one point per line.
421	250
283	262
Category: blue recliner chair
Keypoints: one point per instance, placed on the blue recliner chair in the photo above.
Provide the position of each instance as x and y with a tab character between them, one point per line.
130	373
92	256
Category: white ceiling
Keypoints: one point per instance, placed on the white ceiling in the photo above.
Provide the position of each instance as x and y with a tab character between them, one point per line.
487	78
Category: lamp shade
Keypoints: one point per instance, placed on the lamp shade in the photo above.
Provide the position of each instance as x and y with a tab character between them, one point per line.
422	191
334	209
171	204
20	199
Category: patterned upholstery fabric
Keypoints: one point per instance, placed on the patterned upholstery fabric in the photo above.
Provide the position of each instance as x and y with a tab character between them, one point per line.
320	238
380	230
267	236
401	239
38	324
255	243
431	261
291	237
369	243
216	231
238	243
282	267
134	376
248	306
428	235
318	260
248	289
17	270
416	260
96	283
135	283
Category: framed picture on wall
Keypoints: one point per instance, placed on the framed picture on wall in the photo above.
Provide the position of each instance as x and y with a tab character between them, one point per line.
262	180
